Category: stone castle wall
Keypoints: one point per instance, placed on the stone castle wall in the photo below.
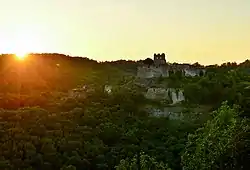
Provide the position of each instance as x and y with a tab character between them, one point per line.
164	71
161	68
151	72
159	59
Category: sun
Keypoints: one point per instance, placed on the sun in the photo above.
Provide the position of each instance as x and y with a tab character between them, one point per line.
21	55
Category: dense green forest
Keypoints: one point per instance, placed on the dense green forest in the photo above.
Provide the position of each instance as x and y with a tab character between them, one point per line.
42	127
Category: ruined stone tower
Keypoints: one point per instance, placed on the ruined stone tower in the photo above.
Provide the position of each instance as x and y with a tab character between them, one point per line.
159	59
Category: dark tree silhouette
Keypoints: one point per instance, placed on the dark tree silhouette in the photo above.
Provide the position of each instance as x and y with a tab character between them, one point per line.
148	61
197	65
201	73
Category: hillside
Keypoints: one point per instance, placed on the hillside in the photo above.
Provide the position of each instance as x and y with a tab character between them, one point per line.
70	113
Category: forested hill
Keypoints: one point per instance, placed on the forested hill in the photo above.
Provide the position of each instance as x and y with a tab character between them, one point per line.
57	114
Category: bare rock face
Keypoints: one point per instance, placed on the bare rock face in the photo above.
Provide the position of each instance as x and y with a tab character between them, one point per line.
173	113
192	72
174	95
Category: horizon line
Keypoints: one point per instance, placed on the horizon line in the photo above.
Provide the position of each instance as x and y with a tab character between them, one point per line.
100	61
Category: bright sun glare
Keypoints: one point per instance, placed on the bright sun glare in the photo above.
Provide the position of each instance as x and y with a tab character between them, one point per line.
21	56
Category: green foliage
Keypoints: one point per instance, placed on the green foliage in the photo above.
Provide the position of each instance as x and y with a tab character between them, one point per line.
218	86
209	145
70	167
145	162
44	126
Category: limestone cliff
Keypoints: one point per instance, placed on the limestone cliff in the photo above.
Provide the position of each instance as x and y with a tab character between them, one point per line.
171	94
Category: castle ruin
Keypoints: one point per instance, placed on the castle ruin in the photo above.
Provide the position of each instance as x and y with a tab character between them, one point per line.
159	59
162	68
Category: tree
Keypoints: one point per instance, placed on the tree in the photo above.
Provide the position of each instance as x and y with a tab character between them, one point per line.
201	73
213	146
197	65
148	62
70	167
146	162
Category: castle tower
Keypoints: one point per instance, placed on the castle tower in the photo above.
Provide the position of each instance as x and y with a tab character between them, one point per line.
159	59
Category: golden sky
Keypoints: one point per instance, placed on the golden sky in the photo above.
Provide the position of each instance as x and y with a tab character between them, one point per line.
207	31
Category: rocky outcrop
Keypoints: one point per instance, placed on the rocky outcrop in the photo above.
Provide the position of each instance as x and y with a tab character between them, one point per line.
171	94
177	112
193	72
173	113
176	95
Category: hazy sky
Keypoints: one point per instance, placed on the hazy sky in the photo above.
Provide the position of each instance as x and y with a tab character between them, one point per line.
207	31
